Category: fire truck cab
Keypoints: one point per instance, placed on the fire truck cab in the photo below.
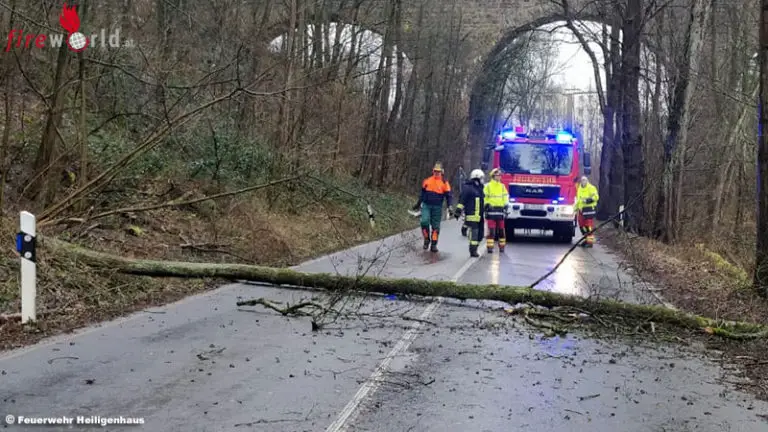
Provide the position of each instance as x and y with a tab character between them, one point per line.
539	171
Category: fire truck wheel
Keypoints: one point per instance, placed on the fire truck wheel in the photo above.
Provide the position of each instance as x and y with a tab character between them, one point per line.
564	234
509	230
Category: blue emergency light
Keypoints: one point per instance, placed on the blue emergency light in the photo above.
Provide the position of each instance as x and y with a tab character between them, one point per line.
508	134
511	134
563	137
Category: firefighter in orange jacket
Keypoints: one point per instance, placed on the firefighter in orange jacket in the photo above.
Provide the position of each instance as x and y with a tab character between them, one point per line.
434	190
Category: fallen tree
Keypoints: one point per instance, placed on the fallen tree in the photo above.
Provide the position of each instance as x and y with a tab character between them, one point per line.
408	287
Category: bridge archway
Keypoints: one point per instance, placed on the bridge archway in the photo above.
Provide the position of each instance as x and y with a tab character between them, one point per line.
350	21
358	50
483	121
482	118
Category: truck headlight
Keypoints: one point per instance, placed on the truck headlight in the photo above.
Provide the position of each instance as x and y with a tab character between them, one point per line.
566	210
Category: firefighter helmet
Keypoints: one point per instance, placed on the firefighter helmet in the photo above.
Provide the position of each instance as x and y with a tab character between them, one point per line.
477	174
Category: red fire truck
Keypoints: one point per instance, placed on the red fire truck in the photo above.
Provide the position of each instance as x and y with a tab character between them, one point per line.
539	171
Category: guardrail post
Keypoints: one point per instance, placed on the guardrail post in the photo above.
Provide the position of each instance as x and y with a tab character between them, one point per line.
25	245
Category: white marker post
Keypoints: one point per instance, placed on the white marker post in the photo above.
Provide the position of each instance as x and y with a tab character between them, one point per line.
25	245
621	216
371	215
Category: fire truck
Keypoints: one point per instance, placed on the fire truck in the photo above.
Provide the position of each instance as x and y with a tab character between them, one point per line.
539	171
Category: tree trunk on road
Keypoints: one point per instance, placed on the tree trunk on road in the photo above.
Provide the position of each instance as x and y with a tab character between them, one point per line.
419	287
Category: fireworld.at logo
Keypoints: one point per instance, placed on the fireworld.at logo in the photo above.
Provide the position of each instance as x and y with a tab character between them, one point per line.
76	41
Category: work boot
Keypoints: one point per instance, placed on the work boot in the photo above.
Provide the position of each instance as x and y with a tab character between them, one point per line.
473	252
434	247
426	243
501	249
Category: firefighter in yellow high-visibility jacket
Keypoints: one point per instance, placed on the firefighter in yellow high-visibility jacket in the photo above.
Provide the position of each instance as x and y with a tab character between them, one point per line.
585	206
496	203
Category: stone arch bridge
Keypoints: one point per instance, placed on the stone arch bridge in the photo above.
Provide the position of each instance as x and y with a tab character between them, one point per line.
487	26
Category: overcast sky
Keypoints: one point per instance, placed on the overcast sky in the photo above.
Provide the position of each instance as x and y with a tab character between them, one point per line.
575	66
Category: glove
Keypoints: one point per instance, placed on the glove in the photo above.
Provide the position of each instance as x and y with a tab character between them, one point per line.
416	207
589	201
457	213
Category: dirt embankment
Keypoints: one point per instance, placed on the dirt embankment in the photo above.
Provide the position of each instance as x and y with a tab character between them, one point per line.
261	229
695	279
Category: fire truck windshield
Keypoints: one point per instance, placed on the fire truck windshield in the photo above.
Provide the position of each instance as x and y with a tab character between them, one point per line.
530	158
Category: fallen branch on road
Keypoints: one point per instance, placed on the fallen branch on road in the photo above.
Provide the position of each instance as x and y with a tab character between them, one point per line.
336	283
286	311
578	243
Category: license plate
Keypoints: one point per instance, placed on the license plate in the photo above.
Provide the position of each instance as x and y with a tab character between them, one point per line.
534	206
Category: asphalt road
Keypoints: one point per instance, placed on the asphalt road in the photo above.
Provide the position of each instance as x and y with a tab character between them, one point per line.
205	365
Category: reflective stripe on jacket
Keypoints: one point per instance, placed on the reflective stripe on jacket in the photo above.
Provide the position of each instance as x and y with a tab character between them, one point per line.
582	193
472	201
496	194
434	189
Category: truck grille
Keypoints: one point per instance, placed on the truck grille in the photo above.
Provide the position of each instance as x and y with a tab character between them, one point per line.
534	191
533	213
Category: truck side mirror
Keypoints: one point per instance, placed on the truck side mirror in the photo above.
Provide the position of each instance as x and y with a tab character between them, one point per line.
587	163
487	153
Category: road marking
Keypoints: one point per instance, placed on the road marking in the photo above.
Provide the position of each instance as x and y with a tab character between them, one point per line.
371	385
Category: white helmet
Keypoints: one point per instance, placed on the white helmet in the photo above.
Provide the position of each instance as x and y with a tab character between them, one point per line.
477	174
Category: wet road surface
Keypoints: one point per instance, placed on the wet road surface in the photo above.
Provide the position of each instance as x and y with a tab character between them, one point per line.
586	272
205	365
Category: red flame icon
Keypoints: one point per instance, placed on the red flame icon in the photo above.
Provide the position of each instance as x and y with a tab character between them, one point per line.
69	19
71	23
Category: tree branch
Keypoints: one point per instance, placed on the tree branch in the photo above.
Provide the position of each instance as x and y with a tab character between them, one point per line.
167	204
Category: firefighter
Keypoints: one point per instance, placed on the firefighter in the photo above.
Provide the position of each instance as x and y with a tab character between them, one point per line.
586	203
434	190
496	203
471	204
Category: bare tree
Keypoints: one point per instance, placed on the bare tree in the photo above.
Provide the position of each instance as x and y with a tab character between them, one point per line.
678	123
761	254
